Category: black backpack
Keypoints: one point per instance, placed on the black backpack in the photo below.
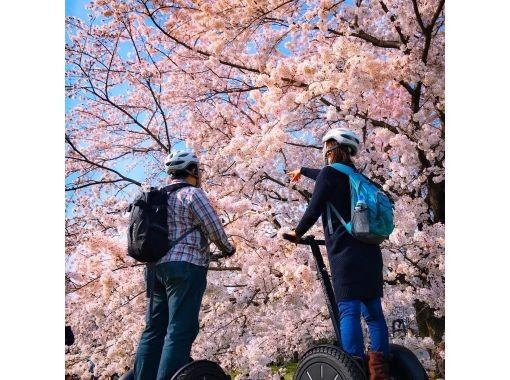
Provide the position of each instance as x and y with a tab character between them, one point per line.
148	232
148	228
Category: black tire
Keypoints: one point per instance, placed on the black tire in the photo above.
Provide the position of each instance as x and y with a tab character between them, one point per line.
129	375
201	370
405	365
328	362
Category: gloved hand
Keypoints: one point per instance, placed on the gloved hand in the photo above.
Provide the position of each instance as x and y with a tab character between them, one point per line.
231	253
291	236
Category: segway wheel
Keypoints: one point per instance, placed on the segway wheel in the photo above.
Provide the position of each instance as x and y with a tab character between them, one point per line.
405	365
328	363
129	375
201	370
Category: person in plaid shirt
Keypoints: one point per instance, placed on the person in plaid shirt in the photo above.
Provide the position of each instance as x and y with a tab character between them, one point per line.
181	274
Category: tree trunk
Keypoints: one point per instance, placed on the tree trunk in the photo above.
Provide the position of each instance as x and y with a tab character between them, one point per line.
436	200
431	326
435	193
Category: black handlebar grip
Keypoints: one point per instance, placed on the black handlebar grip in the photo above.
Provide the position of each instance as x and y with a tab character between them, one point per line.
291	238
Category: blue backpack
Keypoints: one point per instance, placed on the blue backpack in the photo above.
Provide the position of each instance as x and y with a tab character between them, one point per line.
371	209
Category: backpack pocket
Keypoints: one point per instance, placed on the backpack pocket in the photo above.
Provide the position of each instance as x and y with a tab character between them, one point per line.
360	221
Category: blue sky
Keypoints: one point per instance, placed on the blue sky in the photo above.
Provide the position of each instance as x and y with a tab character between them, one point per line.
76	8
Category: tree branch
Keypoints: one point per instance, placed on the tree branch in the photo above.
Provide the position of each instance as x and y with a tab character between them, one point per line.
304	193
85	159
376	41
304	145
92	184
98	277
158	104
196	50
418	16
393	18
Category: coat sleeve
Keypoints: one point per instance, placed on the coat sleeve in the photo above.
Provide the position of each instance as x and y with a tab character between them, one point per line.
310	173
317	204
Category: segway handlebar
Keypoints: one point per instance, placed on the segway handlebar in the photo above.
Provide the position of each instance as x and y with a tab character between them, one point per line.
323	276
305	240
217	257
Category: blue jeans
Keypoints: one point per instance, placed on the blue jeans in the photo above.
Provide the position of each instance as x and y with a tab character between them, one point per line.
350	326
165	346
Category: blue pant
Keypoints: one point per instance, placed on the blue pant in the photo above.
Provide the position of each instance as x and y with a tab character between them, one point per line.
350	326
165	346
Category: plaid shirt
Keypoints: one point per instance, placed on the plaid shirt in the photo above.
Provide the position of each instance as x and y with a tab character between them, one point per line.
187	208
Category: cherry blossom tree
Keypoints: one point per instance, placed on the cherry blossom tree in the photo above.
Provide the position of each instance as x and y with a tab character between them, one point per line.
252	86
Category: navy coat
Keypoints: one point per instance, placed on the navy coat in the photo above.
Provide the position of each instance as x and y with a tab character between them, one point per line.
356	267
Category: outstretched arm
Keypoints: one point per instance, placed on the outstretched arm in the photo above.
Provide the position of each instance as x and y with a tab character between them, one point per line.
318	202
310	172
295	175
212	227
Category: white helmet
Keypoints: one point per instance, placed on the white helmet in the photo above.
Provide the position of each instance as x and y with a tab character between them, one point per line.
180	160
343	136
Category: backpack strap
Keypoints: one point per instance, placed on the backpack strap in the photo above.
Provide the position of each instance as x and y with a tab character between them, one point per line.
175	186
329	207
347	170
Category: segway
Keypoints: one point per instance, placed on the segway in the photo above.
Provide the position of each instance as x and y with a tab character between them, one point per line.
331	362
195	369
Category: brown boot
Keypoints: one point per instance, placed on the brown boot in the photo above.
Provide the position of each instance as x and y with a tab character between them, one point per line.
378	366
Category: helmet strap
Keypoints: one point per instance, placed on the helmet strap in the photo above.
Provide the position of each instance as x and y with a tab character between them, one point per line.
330	150
197	177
